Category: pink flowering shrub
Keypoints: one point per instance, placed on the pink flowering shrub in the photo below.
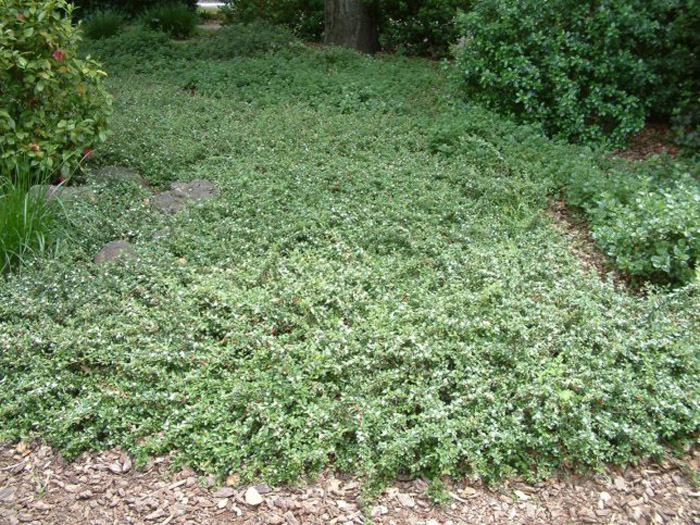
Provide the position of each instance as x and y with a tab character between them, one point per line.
53	103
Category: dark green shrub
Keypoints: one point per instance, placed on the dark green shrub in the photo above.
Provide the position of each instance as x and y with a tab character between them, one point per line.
130	7
103	24
413	27
419	27
588	71
177	20
686	125
304	17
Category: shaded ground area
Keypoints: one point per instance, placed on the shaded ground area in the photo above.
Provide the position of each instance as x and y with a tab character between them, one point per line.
654	139
38	486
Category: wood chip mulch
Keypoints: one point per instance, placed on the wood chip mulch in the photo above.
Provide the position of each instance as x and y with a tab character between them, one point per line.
38	486
653	139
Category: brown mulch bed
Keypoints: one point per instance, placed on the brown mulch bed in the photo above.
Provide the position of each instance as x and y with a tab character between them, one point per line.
654	139
38	486
582	244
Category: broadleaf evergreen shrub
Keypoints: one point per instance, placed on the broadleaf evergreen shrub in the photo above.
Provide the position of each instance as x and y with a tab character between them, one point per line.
131	8
588	71
419	27
412	27
304	17
53	104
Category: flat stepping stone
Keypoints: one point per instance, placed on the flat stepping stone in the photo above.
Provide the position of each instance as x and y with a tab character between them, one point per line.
115	175
65	193
183	194
120	251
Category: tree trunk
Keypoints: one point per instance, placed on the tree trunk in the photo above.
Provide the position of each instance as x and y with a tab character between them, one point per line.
352	23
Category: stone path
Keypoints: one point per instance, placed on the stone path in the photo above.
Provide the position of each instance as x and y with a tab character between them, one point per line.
180	196
38	486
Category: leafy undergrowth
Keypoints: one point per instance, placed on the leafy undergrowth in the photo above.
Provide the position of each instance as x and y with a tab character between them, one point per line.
369	292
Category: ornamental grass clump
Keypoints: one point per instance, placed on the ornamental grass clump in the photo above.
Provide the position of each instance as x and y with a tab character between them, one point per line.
28	216
104	24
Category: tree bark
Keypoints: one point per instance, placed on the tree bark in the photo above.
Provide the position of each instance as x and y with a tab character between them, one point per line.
352	23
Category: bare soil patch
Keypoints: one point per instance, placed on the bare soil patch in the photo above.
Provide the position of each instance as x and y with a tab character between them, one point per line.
654	139
582	244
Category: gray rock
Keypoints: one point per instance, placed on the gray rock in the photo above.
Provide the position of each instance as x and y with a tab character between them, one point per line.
263	488
225	492
197	189
65	193
169	202
182	194
116	251
114	175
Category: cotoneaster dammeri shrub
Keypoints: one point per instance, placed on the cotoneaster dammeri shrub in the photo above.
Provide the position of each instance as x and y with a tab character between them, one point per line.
53	103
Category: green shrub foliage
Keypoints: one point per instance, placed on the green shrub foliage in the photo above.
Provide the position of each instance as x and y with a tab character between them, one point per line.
177	20
419	27
130	7
645	217
412	27
53	104
588	71
304	17
377	289
103	24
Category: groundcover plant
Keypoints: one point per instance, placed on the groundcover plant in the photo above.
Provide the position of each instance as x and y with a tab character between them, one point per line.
371	291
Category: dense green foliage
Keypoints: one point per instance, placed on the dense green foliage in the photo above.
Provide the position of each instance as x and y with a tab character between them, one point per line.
420	27
129	7
587	71
53	104
304	17
412	27
175	19
378	287
645	217
103	23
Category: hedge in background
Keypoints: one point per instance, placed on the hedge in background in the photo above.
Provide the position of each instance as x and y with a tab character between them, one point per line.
420	27
587	71
129	7
53	104
413	27
304	17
